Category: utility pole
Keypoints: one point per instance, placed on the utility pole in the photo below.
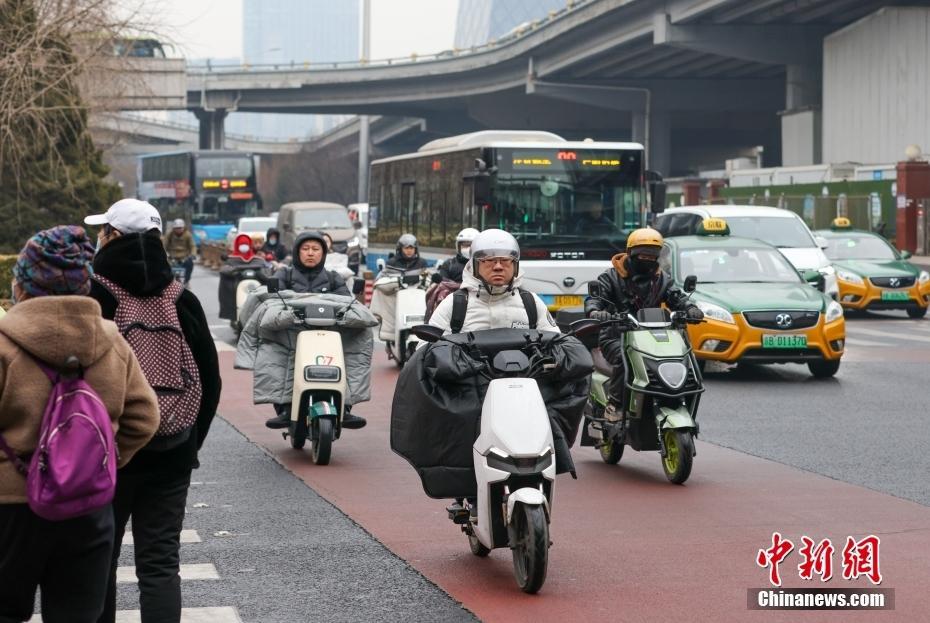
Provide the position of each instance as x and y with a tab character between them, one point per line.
363	140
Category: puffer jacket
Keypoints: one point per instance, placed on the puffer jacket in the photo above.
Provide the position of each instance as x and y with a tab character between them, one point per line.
502	308
180	247
305	279
52	329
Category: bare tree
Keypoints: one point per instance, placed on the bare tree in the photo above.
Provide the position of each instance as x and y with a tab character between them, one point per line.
317	176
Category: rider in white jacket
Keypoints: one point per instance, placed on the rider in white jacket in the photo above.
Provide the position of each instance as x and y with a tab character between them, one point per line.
492	280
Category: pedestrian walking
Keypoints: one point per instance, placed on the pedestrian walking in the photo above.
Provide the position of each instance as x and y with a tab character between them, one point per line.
166	326
55	335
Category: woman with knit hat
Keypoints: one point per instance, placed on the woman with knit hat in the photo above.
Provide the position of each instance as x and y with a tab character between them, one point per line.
53	322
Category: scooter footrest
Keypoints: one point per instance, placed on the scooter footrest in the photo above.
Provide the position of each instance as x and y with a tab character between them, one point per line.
459	517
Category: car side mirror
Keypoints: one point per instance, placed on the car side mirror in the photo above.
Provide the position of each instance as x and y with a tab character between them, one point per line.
427	332
821	242
691	283
906	255
595	289
358	286
815	279
273	284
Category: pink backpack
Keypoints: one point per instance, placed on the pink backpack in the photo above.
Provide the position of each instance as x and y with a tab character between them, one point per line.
73	469
153	330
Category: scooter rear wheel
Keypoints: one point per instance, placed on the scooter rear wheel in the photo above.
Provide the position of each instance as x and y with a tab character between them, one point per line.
531	551
321	443
611	450
298	435
476	546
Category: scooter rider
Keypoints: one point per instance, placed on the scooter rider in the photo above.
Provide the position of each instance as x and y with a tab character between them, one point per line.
634	282
491	292
308	275
180	246
407	255
273	245
451	269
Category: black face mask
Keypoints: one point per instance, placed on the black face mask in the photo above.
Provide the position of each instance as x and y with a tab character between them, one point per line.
644	265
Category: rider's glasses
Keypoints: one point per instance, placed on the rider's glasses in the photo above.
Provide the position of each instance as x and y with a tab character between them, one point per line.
493	261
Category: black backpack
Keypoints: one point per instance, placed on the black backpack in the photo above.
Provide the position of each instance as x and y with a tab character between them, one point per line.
460	306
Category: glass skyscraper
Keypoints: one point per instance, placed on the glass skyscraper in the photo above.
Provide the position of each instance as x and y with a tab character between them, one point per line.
479	21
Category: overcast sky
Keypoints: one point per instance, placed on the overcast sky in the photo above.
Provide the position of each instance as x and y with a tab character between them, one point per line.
213	28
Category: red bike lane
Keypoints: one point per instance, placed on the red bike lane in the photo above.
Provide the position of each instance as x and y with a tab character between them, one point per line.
627	545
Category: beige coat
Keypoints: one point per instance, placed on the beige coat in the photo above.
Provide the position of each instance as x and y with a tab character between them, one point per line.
52	329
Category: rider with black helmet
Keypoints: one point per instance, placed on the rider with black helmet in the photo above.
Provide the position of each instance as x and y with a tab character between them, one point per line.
407	254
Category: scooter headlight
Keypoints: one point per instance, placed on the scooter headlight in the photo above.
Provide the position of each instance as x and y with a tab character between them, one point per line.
716	312
673	373
522	466
325	374
249	274
834	311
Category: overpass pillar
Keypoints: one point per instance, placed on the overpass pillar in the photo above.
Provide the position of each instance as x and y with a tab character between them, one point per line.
801	119
212	128
659	139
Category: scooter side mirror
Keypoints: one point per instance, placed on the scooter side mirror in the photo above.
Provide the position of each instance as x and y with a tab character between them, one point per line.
273	284
690	283
427	332
380	263
358	286
586	326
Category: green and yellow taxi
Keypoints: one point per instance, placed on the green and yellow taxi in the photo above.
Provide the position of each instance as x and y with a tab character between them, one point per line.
872	275
758	308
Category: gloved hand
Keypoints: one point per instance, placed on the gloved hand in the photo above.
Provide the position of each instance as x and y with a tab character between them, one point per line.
436	278
694	313
599	315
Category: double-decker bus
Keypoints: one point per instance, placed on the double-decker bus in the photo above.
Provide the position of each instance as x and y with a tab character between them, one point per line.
570	204
209	189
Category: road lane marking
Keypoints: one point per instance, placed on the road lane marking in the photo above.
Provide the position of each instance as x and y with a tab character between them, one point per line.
857	342
204	571
886	334
187	536
188	615
223	347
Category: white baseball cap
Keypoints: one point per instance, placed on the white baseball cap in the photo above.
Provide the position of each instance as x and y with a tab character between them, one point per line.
129	216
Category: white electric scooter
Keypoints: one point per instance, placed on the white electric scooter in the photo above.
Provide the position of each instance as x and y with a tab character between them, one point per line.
513	455
320	385
409	310
244	288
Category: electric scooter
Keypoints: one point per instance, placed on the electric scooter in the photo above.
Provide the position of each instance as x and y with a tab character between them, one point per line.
663	390
320	385
514	458
409	292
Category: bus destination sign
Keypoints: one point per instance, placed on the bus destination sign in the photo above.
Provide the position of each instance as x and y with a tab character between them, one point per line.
561	160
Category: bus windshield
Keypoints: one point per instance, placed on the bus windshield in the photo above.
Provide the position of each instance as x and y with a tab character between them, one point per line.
210	167
548	196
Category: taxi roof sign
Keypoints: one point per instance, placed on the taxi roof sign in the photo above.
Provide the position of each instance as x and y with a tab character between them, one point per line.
713	227
841	222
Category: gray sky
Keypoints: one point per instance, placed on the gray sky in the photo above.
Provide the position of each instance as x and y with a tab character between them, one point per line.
213	28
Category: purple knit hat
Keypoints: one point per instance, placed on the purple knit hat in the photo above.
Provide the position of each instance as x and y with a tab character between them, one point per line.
56	261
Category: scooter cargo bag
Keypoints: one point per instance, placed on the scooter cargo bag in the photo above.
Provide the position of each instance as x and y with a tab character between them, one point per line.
436	413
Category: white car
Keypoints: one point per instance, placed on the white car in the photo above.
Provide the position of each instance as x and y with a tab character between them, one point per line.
253	226
781	228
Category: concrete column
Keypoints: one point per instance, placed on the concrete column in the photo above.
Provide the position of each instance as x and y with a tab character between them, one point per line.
913	187
212	132
659	157
801	119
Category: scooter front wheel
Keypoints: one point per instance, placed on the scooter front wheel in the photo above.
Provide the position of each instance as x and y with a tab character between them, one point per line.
322	441
679	454
611	450
477	548
531	551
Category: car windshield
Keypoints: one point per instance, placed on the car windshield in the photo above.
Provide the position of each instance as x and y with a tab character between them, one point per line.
863	247
778	231
735	265
249	226
322	218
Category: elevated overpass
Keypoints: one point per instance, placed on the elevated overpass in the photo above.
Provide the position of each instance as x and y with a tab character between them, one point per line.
697	80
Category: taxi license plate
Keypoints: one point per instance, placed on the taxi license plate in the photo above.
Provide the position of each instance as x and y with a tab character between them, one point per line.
566	300
771	340
890	295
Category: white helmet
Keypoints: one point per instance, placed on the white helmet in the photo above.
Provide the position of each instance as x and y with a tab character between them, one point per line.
178	223
465	238
495	243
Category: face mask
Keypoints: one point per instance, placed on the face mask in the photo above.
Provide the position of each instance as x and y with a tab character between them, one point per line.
244	248
465	251
272	241
644	265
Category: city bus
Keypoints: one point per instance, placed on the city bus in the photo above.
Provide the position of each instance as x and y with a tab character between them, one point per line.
211	190
570	204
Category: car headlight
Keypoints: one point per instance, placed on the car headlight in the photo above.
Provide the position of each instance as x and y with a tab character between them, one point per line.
716	312
834	311
924	277
849	277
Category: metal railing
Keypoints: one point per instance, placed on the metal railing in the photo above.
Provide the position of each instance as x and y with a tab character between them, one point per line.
514	35
193	127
